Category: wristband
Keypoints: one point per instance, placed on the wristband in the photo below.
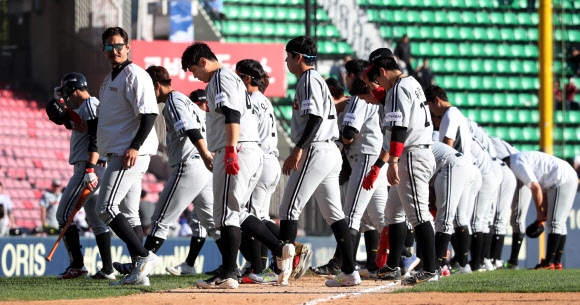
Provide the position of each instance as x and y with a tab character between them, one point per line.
90	165
396	148
379	163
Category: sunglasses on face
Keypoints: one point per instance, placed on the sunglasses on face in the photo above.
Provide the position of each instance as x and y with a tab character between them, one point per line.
116	46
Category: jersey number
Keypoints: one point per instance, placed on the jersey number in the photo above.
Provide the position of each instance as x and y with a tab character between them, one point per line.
427	115
273	126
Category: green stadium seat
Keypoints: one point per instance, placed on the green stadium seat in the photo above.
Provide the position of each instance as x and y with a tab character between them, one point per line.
426	16
481	17
438	65
286	111
387	32
373	16
500	132
501	83
528	117
486	100
496	18
269	13
478	33
465	49
518	50
502	66
528	83
514	83
412	32
532	34
498	100
529	66
493	34
413	16
472	100
468	17
510	18
507	34
429	32
472	114
453	17
451	49
475	82
485	116
480	66
462	65
489	50
520	34
503	50
476	50
525	19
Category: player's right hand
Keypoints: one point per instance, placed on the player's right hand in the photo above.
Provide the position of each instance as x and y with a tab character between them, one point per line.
231	161
208	161
371	177
91	180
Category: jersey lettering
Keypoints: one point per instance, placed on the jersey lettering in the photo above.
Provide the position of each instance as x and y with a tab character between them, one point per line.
220	99
349	118
306	106
394	116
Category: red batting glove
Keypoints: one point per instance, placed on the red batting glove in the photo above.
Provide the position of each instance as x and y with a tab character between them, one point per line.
370	178
90	178
231	161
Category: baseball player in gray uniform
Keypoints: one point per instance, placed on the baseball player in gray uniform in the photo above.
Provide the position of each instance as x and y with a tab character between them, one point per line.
188	156
48	205
233	136
505	197
315	162
553	183
448	182
81	117
126	136
256	81
455	132
406	144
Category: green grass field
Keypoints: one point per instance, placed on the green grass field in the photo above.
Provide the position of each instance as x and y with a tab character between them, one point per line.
520	281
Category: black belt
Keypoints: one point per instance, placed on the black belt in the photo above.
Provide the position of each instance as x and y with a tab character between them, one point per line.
424	146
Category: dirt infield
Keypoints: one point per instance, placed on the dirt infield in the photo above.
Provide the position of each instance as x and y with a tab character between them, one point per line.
310	290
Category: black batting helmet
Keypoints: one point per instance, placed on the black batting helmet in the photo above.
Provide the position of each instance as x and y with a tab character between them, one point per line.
71	82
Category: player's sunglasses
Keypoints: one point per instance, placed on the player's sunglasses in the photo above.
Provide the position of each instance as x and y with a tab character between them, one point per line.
116	46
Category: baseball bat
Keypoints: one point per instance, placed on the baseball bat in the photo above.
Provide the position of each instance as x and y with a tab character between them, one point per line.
85	194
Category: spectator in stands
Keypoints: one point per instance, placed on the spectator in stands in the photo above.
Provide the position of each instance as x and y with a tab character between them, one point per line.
571	90
146	209
199	98
558	95
425	74
403	52
214	9
48	206
339	72
574	61
6	205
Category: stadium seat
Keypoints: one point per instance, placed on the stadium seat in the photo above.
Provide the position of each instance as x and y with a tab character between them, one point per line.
481	17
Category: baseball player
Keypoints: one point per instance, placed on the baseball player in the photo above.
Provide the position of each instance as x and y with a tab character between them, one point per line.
455	132
127	137
81	117
199	98
407	142
315	162
48	205
233	136
553	183
504	201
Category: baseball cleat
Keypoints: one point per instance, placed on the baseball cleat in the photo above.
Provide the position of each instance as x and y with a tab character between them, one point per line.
344	280
72	273
330	269
302	260
488	265
285	264
511	266
410	263
100	275
144	282
267	277
143	266
370	272
215	282
183	268
421	277
543	265
464	270
389	274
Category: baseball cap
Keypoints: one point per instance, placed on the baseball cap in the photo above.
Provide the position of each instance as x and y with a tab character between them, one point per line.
380	53
198	96
56	182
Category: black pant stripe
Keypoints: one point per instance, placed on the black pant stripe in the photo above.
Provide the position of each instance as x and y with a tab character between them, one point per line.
168	200
296	190
113	194
359	180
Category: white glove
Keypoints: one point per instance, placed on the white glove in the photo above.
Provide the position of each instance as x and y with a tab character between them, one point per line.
90	178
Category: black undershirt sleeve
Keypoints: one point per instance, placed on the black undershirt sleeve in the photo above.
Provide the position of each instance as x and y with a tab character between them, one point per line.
92	131
147	122
232	116
399	134
312	126
194	135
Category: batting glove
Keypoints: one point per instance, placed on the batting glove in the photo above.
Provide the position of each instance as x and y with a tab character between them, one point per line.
370	178
90	178
231	161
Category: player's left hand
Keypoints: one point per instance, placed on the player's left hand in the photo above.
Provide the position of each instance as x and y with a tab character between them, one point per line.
393	174
208	160
231	161
291	162
130	158
90	178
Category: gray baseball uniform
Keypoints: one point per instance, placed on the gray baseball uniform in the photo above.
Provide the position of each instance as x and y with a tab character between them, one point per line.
556	177
320	165
189	177
362	153
232	192
49	201
406	107
78	156
484	200
271	170
448	182
124	99
506	191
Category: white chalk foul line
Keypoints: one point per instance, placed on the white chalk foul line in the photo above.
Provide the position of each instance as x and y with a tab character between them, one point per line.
344	295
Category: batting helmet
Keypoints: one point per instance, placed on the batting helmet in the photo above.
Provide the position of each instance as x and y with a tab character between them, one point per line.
71	82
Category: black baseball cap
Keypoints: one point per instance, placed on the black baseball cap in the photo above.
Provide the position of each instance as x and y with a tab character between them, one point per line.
198	96
380	53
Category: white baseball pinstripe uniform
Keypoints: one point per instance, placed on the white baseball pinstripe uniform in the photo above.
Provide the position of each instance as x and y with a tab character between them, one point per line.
78	156
271	170
448	182
406	107
454	125
189	177
556	177
321	162
232	192
362	153
123	100
484	200
506	191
